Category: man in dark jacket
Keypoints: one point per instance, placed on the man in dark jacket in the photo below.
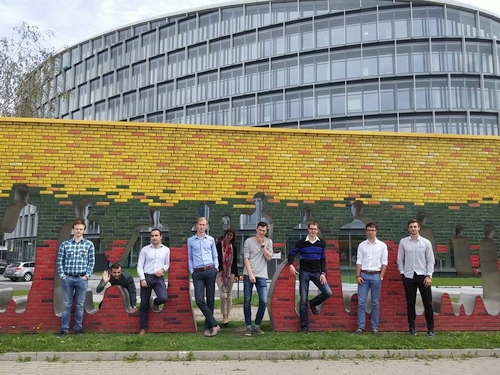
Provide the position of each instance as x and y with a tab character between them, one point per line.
116	277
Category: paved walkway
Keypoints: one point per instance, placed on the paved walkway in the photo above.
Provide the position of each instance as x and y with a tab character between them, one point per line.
473	366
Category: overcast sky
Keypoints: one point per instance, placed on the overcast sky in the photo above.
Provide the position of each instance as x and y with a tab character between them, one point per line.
73	21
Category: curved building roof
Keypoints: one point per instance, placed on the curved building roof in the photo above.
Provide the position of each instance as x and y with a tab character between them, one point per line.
413	66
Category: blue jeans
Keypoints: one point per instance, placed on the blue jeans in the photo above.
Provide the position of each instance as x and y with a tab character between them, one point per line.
261	285
373	283
326	292
77	287
158	285
204	282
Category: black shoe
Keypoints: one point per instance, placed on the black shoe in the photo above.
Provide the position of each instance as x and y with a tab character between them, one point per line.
412	332
61	334
314	310
78	332
305	330
431	333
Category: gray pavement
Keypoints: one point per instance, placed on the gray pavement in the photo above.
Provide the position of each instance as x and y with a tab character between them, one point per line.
421	366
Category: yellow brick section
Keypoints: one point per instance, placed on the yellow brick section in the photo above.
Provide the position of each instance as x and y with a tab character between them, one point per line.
216	163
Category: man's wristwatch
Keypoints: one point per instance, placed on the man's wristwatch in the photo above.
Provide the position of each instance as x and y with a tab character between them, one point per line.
358	276
262	246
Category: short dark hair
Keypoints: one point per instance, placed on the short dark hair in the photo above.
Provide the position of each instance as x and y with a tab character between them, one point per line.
152	230
262	224
115	266
312	223
371	225
79	221
413	221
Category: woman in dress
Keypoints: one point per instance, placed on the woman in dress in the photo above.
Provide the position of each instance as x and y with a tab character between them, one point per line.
228	272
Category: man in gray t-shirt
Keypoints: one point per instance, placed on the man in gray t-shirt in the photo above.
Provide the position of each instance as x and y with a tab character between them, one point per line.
257	251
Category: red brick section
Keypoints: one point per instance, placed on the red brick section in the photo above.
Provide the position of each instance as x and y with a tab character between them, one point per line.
177	315
334	316
117	249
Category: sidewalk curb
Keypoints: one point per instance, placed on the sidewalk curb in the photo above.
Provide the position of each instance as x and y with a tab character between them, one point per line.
250	355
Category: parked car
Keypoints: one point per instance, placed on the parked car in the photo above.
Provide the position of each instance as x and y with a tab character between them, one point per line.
20	270
3	265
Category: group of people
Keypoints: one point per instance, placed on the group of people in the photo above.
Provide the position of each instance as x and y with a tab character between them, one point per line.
211	262
415	262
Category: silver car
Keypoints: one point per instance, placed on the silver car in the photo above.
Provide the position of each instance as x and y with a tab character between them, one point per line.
20	270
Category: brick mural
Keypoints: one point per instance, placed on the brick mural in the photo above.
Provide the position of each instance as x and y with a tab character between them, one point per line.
126	169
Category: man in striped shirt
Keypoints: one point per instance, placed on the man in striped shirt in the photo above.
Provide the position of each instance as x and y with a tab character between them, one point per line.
75	264
312	268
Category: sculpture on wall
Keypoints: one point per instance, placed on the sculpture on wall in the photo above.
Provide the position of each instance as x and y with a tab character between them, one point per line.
460	254
13	210
488	260
426	232
357	210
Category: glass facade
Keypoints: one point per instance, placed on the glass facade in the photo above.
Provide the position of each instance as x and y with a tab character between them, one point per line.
376	65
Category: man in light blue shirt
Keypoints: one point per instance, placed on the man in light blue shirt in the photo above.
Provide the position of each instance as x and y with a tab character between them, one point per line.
203	264
416	266
153	262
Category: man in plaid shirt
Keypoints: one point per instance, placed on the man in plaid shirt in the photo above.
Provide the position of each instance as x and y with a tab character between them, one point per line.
75	263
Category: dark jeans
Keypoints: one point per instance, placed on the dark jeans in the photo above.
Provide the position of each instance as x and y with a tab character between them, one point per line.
326	292
261	286
204	282
411	286
158	285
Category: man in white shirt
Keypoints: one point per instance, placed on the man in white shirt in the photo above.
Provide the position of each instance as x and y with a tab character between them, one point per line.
416	266
371	264
153	262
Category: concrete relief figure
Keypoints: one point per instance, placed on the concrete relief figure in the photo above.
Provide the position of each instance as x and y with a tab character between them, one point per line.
12	212
488	258
459	250
353	233
357	209
426	232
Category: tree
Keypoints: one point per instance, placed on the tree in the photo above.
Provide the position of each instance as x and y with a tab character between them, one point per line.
27	74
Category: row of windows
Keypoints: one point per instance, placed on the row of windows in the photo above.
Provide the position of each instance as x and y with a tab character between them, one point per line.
456	123
330	32
404	95
406	21
374	61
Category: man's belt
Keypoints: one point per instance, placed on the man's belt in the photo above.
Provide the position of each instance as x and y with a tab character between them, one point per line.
204	268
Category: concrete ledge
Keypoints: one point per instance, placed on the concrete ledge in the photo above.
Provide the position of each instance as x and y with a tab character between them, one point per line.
250	355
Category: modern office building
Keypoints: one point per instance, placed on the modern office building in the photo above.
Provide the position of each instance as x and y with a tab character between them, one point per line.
374	65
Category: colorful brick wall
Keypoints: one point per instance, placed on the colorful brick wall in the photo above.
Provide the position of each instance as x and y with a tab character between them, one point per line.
126	169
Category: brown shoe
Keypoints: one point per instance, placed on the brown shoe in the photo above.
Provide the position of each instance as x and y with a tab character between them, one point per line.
258	331
142	332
